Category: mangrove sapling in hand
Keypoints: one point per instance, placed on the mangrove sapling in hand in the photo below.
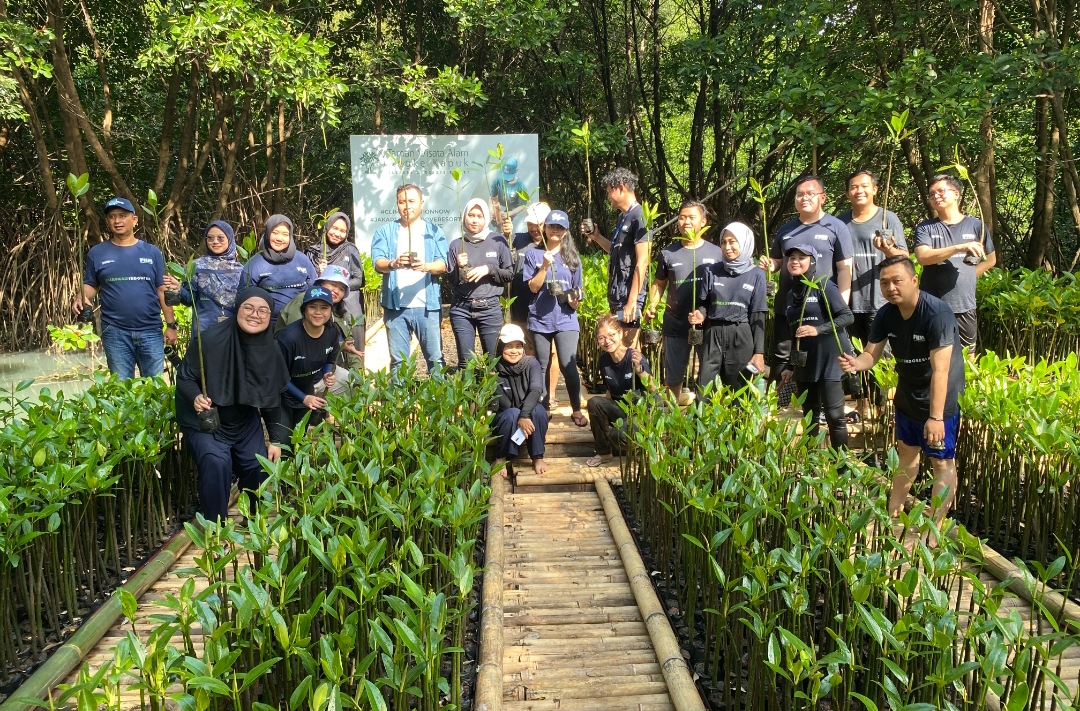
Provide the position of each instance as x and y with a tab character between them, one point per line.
760	196
582	137
78	186
209	418
961	170
896	126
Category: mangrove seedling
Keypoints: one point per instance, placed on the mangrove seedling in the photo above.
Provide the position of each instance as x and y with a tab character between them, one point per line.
896	126
961	170
851	382
583	136
696	336
78	186
761	197
209	419
400	163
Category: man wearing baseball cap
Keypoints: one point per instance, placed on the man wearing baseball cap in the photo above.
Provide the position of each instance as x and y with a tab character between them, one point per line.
129	276
310	347
351	357
505	196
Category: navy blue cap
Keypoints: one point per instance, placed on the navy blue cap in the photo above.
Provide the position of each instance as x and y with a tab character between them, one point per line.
558	218
318	293
803	248
122	203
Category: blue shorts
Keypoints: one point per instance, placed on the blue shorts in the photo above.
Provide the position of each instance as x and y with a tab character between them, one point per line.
910	432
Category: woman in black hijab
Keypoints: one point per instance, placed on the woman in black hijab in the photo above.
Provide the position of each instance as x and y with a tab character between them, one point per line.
277	267
337	249
244	377
519	415
818	316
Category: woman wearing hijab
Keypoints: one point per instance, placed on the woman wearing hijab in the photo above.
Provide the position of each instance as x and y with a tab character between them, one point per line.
244	379
818	315
553	317
277	266
732	305
479	265
518	406
339	250
217	274
626	375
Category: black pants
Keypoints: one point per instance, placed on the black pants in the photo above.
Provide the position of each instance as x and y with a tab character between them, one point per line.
467	321
290	417
725	351
566	348
827	395
603	414
781	345
219	461
506	423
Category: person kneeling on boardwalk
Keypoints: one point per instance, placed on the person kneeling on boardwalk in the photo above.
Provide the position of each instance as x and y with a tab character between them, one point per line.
218	408
625	371
310	347
519	415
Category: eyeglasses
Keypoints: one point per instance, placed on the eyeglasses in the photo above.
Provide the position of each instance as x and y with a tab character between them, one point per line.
261	311
216	238
606	338
804	196
940	193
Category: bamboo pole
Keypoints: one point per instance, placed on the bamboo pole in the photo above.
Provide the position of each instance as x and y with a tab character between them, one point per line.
68	657
489	675
680	682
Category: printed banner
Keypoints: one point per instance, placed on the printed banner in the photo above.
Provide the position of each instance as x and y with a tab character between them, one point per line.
381	163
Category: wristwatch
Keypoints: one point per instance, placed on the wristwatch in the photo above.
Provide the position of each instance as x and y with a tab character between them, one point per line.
170	325
937	419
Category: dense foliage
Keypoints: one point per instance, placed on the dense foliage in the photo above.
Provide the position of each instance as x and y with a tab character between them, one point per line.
349	585
89	486
234	109
795	586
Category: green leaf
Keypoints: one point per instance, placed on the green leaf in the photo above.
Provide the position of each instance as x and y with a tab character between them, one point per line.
128	605
210	684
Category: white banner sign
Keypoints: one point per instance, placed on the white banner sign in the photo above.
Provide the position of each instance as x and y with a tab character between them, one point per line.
381	163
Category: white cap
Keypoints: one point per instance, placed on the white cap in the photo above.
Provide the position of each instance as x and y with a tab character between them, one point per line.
511	332
537	213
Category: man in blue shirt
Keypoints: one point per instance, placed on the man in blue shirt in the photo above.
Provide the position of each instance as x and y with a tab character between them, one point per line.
409	253
129	275
505	195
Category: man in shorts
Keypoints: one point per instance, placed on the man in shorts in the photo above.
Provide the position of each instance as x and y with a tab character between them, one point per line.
922	331
678	272
955	250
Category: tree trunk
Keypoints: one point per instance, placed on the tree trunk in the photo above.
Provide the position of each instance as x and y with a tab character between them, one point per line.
1046	149
985	175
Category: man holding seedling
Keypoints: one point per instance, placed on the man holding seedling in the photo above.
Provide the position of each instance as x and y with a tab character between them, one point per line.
310	347
924	337
679	270
130	276
628	250
506	193
409	253
955	250
876	234
830	239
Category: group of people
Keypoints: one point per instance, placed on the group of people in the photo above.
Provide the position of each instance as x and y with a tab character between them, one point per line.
273	336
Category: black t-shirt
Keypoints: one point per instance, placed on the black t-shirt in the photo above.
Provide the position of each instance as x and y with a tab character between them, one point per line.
932	325
519	310
494	253
676	266
822	356
619	377
732	298
629	232
307	356
828	236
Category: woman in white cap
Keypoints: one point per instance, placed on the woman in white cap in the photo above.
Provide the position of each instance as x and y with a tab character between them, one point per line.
478	266
554	278
520	417
732	305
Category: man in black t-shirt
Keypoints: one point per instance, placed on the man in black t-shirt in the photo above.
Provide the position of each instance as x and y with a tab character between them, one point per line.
924	337
628	263
310	348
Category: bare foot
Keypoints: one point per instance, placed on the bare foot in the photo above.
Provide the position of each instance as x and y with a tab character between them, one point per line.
598	459
539	466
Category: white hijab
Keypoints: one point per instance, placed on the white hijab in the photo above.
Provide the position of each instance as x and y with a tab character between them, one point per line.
745	261
485	230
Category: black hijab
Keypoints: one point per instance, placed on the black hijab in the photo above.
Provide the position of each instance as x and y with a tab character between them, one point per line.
241	368
268	252
335	253
504	367
799	289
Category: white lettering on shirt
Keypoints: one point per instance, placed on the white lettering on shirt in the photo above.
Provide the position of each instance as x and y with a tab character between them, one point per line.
491	254
144	260
824	237
748	287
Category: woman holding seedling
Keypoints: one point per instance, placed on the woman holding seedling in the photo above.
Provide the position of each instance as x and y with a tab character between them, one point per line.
520	417
479	265
553	275
625	371
732	305
277	267
310	347
818	316
221	409
336	249
212	290
351	357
